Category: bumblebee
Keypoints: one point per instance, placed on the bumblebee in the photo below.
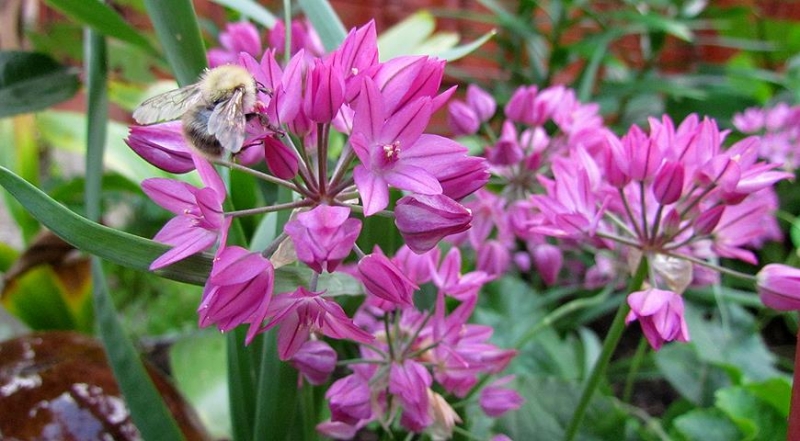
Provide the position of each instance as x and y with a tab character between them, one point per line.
213	111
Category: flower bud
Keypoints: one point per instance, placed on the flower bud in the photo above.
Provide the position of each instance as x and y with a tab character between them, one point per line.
384	280
481	102
324	92
424	220
162	145
668	183
315	360
461	119
779	287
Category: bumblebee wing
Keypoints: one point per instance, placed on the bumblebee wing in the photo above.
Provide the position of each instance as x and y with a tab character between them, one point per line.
168	105
227	122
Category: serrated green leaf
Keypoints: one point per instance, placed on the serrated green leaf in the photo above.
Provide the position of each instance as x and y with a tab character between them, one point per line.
251	10
31	81
103	19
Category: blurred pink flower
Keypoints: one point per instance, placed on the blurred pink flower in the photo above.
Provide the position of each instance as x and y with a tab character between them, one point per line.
236	38
495	399
316	360
779	287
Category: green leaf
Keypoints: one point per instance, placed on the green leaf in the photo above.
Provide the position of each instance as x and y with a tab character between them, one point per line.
251	10
38	299
176	26
116	246
755	418
148	411
31	81
200	371
324	19
693	378
549	404
457	52
103	19
706	425
404	37
277	394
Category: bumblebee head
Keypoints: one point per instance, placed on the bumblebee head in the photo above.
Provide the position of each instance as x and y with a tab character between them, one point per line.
220	83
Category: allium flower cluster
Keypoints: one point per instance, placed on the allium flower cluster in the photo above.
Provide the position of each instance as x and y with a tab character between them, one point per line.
779	130
414	350
674	196
380	110
539	126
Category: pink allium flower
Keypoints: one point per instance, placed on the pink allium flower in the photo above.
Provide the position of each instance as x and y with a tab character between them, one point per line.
199	213
409	382
660	313
238	291
349	399
323	236
324	93
481	102
382	278
302	312
304	38
424	220
461	119
162	145
316	360
495	399
779	287
236	38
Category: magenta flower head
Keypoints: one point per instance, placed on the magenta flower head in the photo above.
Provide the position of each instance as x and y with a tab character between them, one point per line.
315	360
302	312
238	291
162	145
779	287
383	279
323	236
495	399
424	220
199	219
660	313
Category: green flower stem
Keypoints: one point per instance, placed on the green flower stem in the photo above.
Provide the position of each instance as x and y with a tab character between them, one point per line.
609	345
636	363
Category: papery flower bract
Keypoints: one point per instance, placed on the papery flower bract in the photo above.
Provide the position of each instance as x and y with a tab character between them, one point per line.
200	216
238	291
424	220
495	399
162	145
301	312
660	313
316	360
779	287
323	236
382	278
444	417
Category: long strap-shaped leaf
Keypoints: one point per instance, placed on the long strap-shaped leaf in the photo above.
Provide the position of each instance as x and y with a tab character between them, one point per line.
147	408
115	246
176	26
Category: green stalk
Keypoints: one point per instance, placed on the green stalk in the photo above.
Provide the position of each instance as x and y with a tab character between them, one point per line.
636	363
609	345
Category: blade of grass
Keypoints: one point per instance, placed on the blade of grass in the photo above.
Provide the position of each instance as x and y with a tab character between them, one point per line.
176	26
103	19
148	410
328	25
